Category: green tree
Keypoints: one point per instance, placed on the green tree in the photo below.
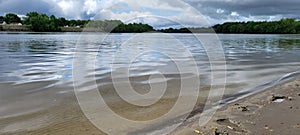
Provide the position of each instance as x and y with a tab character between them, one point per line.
12	18
62	22
41	22
288	26
1	19
129	28
298	27
29	16
53	24
284	26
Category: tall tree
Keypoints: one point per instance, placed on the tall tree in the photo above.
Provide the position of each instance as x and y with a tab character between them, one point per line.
62	22
41	22
284	26
28	16
1	19
12	18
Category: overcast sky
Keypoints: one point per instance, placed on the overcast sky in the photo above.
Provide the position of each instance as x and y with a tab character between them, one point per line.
160	13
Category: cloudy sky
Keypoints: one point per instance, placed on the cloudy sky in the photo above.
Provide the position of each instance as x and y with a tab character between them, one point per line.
160	13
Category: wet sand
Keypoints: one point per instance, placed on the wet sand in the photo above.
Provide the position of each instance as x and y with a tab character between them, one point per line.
67	118
274	111
62	118
256	114
63	115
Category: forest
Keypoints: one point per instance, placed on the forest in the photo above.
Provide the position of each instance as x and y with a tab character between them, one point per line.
43	23
283	26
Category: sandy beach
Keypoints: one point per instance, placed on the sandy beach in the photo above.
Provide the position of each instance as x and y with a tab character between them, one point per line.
274	111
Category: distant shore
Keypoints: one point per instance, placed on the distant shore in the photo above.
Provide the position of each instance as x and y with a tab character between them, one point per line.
25	28
40	22
15	28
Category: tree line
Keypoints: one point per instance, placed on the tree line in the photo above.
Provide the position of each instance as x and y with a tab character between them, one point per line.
284	26
10	18
187	30
41	22
44	23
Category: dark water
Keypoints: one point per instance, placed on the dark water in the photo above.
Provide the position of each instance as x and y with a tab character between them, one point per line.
36	68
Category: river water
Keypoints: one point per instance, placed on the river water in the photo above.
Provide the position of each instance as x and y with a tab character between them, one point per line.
37	71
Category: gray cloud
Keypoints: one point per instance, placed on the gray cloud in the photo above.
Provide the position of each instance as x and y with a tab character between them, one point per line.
25	6
246	8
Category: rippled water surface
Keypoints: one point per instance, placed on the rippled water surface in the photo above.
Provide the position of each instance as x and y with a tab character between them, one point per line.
36	68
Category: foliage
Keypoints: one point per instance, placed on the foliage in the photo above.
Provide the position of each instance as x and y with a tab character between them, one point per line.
1	19
172	30
132	28
41	22
12	18
187	30
76	23
116	26
104	26
284	26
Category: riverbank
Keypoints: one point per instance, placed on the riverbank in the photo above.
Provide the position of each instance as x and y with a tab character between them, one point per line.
25	28
15	28
273	111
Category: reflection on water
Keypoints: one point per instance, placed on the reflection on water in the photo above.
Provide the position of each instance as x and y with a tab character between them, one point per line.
40	57
30	57
32	65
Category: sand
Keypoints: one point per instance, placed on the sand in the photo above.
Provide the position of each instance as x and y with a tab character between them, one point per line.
274	111
256	114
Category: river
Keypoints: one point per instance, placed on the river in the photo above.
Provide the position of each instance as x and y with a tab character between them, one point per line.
37	73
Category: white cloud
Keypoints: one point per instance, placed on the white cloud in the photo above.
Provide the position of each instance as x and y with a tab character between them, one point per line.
220	11
124	16
70	8
90	6
234	14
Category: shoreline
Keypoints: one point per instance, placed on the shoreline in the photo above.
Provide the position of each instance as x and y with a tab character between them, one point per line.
25	29
271	111
33	32
237	117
